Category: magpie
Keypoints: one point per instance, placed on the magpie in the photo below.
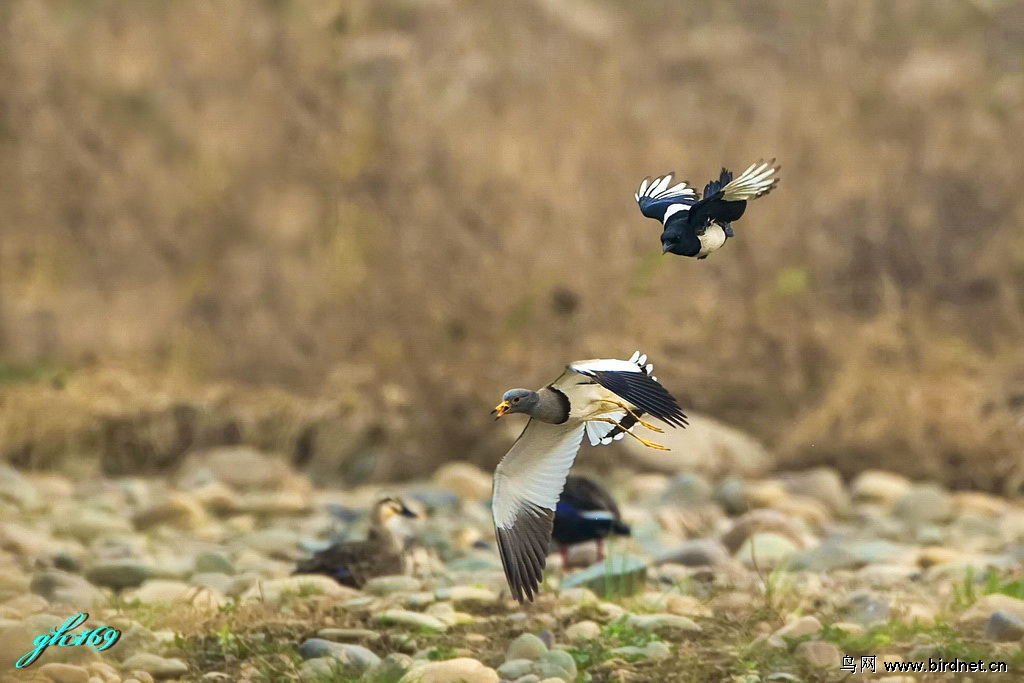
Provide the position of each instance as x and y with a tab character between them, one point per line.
694	226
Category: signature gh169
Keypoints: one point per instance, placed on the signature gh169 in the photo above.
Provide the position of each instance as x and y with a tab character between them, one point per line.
100	639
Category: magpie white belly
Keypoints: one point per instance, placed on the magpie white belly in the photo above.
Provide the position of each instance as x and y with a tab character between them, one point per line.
713	238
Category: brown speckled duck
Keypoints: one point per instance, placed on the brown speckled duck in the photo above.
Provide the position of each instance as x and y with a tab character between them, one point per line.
353	563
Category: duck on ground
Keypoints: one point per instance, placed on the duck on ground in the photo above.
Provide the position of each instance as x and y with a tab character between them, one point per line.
382	553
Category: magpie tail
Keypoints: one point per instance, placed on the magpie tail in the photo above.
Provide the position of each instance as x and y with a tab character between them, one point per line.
757	181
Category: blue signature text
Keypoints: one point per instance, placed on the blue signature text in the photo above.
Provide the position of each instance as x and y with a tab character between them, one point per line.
100	639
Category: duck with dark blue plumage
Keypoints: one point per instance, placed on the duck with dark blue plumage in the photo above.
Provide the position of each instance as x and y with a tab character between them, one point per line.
585	512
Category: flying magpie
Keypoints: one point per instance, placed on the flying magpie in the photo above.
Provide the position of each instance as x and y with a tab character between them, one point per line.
695	226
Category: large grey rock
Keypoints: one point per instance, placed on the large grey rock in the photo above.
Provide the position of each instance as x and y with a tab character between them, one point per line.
924	503
583	630
987	605
879	487
118	574
273	542
763	521
799	627
822	484
67	589
461	670
401	617
213	562
1004	627
386	585
135	638
767	550
696	552
514	669
465	480
348	635
654	650
616	576
391	668
17	489
526	646
354	657
707	446
819	654
882	552
89	524
321	669
662	622
64	673
731	494
557	664
275	590
867	609
467	595
156	666
687	488
828	556
240	467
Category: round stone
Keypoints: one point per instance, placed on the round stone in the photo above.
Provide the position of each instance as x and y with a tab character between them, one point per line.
583	630
819	654
401	617
463	669
64	673
526	646
515	668
156	666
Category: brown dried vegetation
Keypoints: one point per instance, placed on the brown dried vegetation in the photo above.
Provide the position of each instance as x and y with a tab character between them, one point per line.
399	209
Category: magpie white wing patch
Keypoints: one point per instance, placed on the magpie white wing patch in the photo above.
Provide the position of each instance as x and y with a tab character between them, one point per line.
672	210
656	196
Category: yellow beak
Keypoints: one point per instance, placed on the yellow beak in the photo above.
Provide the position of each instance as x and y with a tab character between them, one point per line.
501	409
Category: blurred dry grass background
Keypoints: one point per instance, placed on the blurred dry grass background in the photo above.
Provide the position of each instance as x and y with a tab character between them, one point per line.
379	214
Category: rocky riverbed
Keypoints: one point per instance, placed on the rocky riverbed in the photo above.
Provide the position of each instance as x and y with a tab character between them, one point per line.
774	579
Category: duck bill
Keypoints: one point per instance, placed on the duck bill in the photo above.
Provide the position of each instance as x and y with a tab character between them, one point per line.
501	409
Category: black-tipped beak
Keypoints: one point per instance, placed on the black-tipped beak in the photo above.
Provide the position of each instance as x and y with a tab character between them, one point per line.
406	512
501	409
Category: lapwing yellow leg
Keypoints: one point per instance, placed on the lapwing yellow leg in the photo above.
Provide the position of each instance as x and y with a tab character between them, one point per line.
636	417
649	444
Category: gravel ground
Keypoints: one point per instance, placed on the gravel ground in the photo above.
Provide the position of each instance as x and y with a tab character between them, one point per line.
773	579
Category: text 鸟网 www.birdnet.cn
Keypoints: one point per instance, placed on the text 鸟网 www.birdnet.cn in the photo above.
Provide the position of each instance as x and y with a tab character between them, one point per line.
869	664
